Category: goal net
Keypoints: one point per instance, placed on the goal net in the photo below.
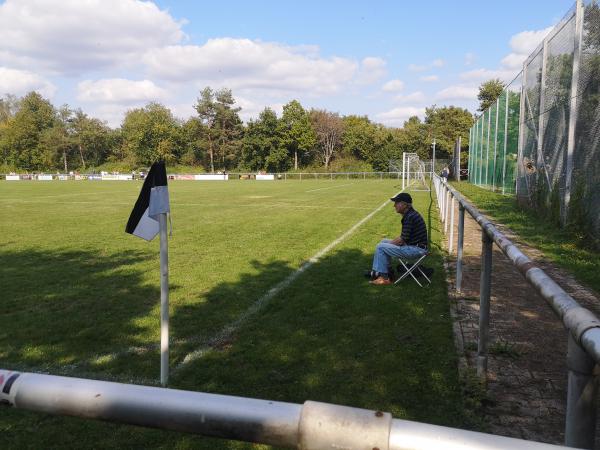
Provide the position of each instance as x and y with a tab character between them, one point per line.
414	174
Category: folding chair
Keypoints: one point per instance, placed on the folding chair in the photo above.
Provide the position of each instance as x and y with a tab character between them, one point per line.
409	269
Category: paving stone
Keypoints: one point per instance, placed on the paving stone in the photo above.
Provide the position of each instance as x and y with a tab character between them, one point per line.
528	382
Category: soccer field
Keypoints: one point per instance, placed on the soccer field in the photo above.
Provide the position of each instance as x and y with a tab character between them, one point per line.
80	297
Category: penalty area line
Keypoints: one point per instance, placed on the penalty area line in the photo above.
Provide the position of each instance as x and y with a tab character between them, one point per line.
225	334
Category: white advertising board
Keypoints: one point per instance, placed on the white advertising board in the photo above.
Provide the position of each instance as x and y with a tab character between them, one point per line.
266	177
12	178
212	177
44	177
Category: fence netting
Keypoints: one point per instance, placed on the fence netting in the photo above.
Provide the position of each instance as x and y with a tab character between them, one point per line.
540	140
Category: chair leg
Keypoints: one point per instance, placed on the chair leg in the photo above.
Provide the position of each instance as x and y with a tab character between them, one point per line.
409	271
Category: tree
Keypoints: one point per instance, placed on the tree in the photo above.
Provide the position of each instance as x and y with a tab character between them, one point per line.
298	136
229	127
22	134
194	141
261	148
92	139
150	133
446	124
222	126
8	107
416	138
328	127
489	91
358	140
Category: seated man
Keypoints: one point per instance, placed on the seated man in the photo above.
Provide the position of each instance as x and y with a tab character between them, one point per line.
412	243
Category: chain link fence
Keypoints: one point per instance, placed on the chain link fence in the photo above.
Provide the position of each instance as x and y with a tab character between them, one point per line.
540	140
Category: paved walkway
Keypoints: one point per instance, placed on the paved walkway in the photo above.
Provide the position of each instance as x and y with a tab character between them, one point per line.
527	378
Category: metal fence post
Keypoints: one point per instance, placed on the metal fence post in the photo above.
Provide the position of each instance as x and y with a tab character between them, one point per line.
446	205
521	139
459	246
564	209
484	303
495	144
580	424
487	149
451	240
507	98
542	105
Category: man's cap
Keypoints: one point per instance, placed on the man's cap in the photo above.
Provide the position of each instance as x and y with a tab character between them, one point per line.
402	197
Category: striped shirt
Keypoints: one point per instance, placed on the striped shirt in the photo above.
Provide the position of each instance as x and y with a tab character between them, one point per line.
414	230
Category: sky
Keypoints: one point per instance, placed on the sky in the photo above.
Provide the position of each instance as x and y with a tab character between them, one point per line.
388	60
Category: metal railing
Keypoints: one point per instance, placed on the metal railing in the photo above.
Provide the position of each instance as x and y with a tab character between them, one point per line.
311	426
583	326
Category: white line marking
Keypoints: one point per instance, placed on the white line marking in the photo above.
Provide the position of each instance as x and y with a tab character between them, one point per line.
226	333
330	187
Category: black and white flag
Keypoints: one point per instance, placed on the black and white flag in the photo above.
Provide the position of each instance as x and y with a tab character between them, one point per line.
153	200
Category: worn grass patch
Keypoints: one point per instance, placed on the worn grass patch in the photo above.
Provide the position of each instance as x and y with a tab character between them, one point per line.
81	298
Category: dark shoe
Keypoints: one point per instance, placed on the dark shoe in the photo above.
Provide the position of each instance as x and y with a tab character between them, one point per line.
381	281
371	274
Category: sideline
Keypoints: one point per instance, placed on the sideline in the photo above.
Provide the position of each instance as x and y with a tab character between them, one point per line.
227	331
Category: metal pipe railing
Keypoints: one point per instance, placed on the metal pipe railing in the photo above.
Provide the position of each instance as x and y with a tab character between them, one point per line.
311	426
582	324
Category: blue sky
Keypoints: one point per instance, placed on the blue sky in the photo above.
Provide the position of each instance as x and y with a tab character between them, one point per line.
384	59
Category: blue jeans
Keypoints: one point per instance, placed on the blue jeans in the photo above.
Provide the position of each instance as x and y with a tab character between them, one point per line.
384	252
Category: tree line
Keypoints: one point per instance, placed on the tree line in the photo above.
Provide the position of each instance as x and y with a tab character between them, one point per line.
37	136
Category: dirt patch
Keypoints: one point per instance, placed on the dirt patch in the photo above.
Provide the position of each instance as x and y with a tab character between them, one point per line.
527	373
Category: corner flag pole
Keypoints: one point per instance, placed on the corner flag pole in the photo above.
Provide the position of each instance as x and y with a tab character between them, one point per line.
149	218
164	300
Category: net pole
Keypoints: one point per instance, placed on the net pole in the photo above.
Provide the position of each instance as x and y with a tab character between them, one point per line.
495	144
564	210
505	140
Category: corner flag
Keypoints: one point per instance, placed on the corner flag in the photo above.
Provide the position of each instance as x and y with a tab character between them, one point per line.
153	200
148	218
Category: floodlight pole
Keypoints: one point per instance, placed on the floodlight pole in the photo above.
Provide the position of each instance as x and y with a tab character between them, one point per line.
164	300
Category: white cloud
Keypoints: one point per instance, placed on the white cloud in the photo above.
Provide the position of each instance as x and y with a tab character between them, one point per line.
416	68
393	86
371	69
119	91
436	63
522	45
20	82
478	75
397	116
414	97
469	58
430	78
526	42
74	36
457	92
242	64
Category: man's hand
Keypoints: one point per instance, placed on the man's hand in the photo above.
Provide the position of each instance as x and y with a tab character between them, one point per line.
397	241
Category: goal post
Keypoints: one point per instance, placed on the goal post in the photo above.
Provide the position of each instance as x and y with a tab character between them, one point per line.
414	173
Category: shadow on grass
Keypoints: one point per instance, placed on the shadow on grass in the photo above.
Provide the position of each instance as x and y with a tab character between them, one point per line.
59	308
328	336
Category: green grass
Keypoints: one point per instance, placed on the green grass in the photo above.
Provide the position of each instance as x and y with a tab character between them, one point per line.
561	246
78	292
